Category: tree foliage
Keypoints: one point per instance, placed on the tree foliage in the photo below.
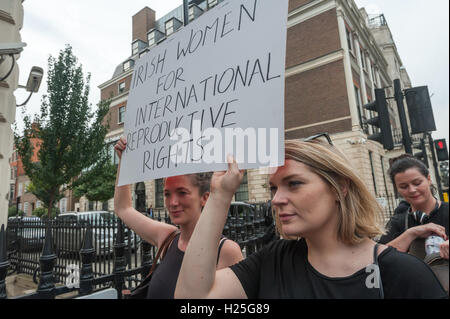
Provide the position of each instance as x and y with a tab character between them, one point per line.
70	135
12	211
97	183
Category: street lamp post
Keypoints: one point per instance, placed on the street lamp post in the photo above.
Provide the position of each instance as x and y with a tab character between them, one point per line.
401	112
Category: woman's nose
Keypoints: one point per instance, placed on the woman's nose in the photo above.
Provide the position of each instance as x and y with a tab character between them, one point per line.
279	198
173	200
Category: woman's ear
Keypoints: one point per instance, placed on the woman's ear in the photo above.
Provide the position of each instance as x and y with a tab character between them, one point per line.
204	199
344	185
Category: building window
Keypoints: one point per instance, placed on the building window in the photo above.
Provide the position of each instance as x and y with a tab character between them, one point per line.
121	87
373	173
25	207
242	192
359	107
11	191
363	59
151	38
373	76
90	205
121	114
63	205
127	65
20	190
113	155
12	173
135	48
349	40
159	193
212	3
191	13
38	204
169	27
384	176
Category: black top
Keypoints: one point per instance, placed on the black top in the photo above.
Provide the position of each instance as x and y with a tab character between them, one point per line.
165	276
281	270
396	225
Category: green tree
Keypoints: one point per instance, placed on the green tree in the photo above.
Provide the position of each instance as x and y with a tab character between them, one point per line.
12	211
70	135
98	182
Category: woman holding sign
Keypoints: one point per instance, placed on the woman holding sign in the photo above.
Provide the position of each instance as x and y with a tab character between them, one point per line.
185	197
327	217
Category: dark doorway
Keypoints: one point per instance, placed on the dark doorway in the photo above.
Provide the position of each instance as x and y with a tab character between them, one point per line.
140	197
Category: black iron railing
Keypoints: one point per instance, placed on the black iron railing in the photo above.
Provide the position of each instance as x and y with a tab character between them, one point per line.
84	256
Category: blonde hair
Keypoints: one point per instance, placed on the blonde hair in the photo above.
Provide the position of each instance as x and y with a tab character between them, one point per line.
359	211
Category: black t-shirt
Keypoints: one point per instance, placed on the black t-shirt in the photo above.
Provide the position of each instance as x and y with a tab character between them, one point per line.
396	225
165	276
281	270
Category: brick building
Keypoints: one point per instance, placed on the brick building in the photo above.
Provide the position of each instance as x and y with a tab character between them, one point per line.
19	183
336	57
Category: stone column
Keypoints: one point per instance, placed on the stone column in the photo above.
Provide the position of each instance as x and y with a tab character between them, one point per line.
11	21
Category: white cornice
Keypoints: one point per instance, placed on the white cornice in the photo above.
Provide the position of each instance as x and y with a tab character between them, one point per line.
309	11
313	64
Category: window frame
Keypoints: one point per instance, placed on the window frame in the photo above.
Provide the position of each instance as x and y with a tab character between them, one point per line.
121	90
121	115
242	194
135	48
159	193
171	27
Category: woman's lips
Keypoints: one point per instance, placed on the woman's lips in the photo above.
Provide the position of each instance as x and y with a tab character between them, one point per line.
177	213
286	217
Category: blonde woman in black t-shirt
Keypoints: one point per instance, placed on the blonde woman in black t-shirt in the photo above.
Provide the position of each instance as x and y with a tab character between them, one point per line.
184	196
327	218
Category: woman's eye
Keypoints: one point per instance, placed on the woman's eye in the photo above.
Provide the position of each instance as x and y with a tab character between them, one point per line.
166	195
294	183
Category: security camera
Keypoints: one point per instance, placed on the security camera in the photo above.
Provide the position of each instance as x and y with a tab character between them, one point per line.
34	79
11	48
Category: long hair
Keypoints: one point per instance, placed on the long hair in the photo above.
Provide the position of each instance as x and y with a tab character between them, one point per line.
359	211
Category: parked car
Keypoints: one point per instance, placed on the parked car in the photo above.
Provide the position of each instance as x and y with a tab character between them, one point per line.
70	232
26	233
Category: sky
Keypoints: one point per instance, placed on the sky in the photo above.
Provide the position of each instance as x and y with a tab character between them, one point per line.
100	33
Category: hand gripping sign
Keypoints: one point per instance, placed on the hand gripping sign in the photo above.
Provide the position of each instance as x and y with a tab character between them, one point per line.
213	88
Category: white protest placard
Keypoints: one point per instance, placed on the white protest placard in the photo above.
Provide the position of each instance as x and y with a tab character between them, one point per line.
214	87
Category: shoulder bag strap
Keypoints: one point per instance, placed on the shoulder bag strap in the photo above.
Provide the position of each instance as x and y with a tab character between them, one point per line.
222	241
162	250
375	261
406	220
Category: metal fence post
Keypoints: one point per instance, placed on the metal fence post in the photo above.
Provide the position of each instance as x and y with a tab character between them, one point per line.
87	254
4	264
46	287
119	260
147	258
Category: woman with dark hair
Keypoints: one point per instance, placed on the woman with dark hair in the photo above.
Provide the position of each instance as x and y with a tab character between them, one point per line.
425	216
327	218
185	196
